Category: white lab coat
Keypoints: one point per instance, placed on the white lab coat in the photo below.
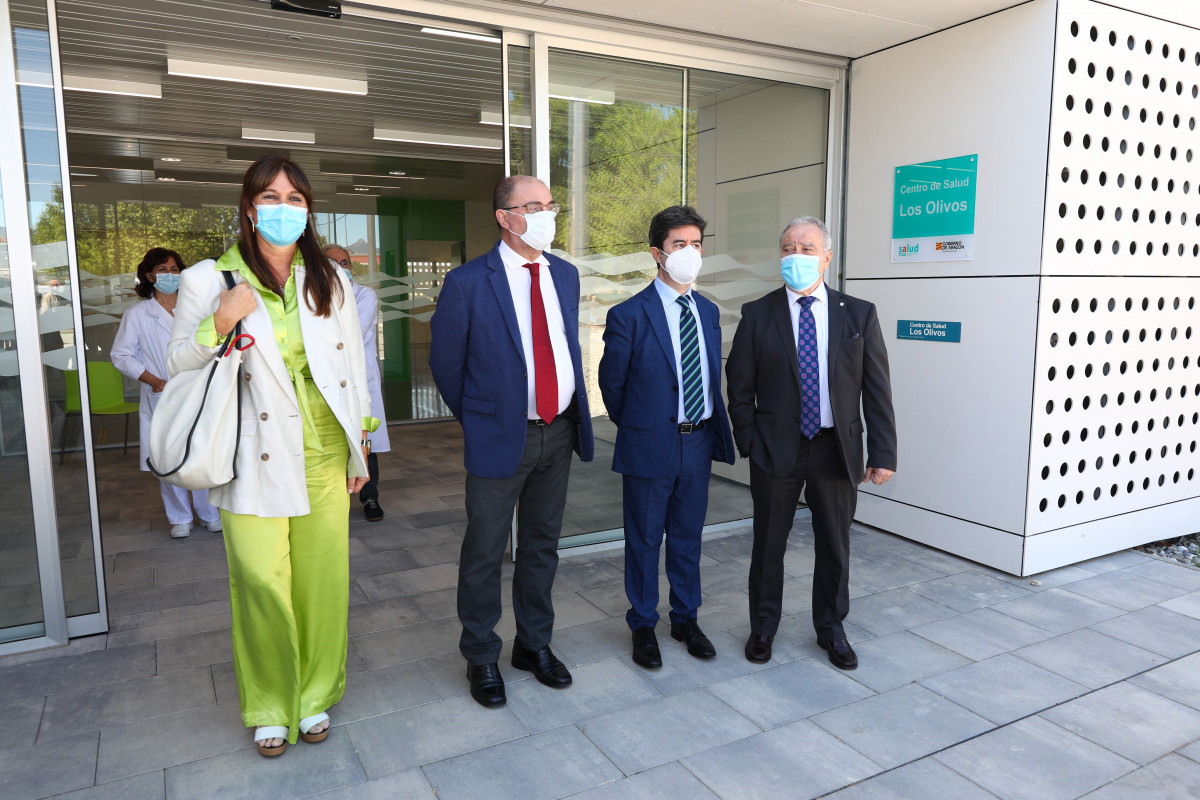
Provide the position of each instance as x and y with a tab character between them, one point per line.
368	317
270	478
141	346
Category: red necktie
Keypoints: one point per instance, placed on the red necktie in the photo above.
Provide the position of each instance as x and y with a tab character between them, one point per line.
544	375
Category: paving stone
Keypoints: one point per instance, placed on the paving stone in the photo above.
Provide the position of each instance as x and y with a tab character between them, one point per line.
545	766
1003	688
885	574
68	673
410	643
1126	590
48	768
794	761
681	672
1034	759
123	703
966	591
925	779
389	561
1089	658
408	785
788	692
901	725
172	551
599	688
900	658
1113	561
1156	629
169	616
1050	579
1188	604
1170	778
1129	720
302	771
1177	681
167	741
944	563
193	650
378	616
409	581
138	601
147	786
21	722
594	641
654	733
442	604
668	782
1168	572
1058	610
981	633
896	610
191	571
432	732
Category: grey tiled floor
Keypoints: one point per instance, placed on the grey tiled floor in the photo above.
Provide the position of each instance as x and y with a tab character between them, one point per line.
973	684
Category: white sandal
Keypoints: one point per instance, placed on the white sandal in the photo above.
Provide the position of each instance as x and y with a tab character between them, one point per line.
308	723
267	733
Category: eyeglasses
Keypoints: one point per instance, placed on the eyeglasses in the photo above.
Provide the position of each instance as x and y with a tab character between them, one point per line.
345	262
533	208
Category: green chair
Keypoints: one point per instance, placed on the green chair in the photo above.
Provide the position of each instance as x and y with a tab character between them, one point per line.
106	391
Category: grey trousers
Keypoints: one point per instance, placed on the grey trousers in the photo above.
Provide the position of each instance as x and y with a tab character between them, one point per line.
538	490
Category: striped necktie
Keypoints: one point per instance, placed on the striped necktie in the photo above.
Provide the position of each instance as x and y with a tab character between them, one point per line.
689	361
810	373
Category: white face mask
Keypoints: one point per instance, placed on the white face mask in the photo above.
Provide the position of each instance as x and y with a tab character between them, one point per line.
539	230
683	265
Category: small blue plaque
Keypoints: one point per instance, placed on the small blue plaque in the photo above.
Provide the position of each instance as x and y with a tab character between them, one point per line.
929	330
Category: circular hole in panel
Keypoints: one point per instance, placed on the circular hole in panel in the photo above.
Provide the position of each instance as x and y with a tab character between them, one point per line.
1059	245
1149	47
1112	39
1042	505
1120	398
1141	148
1103	178
1093	33
1104	397
1178	90
1104	144
1087	401
1113	491
1066	174
1071	66
1136	213
1081	466
1166	51
1079	245
1096	494
1067	138
1162	84
1145	81
1117	214
1082	211
1116	247
1153	187
1106	369
1046	441
1142	117
1071	339
1130	42
1066	437
1083	176
1099	434
1062	500
1067	404
1150	217
1078	497
1124	115
1157	151
1128	78
1092	305
1087	105
1087	140
1075	305
1070	102
1109	74
1049	406
1091	70
1070	371
1051	373
1083	434
1055	305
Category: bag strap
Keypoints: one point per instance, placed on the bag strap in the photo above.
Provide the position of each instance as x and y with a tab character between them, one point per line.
235	333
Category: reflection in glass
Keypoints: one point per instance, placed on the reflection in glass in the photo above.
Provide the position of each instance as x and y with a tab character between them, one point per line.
55	295
520	112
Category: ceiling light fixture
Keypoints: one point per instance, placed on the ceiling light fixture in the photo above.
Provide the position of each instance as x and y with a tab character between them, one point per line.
83	83
436	138
496	118
169	158
477	37
161	178
287	79
599	95
395	172
268	135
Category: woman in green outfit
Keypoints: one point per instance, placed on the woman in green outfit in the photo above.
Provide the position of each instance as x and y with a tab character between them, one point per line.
306	413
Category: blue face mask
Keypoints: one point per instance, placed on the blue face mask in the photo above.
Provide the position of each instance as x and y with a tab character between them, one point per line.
349	274
281	224
166	282
800	271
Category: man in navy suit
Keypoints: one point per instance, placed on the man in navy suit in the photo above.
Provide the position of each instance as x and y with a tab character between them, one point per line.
505	356
808	366
660	377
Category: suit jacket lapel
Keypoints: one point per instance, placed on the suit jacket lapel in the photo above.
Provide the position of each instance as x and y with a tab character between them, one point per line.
658	323
710	318
504	298
833	338
782	315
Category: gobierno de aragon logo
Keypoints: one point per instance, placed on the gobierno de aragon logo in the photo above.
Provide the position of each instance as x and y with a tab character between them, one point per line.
950	246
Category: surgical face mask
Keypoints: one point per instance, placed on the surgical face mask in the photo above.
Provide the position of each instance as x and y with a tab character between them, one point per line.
166	282
683	265
539	230
800	271
349	274
281	224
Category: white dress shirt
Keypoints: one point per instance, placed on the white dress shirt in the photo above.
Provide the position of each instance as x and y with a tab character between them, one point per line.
820	312
519	282
673	310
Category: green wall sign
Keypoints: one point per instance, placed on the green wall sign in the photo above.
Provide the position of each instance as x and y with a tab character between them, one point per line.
928	330
933	210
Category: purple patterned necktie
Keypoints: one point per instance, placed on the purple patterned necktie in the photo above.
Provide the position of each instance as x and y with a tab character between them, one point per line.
810	373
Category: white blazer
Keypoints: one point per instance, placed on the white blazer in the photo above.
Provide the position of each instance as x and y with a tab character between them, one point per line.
368	317
141	346
270	461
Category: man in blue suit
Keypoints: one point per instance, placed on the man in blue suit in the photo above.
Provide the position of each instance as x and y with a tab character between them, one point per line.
661	377
505	356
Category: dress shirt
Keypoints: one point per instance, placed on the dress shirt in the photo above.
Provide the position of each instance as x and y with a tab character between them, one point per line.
673	310
820	312
519	281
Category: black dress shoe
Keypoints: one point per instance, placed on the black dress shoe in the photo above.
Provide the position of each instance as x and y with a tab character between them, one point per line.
841	654
689	633
372	510
758	648
487	687
542	663
645	649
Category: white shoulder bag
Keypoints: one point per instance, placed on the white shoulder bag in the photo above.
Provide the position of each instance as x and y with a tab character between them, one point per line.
197	422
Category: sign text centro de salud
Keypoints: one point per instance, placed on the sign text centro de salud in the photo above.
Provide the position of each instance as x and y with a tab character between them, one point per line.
933	211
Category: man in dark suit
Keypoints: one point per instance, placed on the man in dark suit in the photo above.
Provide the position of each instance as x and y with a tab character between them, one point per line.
661	376
803	358
505	356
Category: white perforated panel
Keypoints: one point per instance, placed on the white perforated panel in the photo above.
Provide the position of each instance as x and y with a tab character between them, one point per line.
1116	407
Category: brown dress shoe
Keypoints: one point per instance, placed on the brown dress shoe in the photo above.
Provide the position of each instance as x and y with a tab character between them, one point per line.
758	648
841	654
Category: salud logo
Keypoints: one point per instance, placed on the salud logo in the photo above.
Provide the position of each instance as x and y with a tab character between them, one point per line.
908	249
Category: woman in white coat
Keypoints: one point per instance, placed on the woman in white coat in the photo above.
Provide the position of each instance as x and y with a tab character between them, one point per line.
305	417
140	351
368	316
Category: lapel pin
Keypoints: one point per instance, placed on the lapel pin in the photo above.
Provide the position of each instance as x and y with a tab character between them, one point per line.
841	304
